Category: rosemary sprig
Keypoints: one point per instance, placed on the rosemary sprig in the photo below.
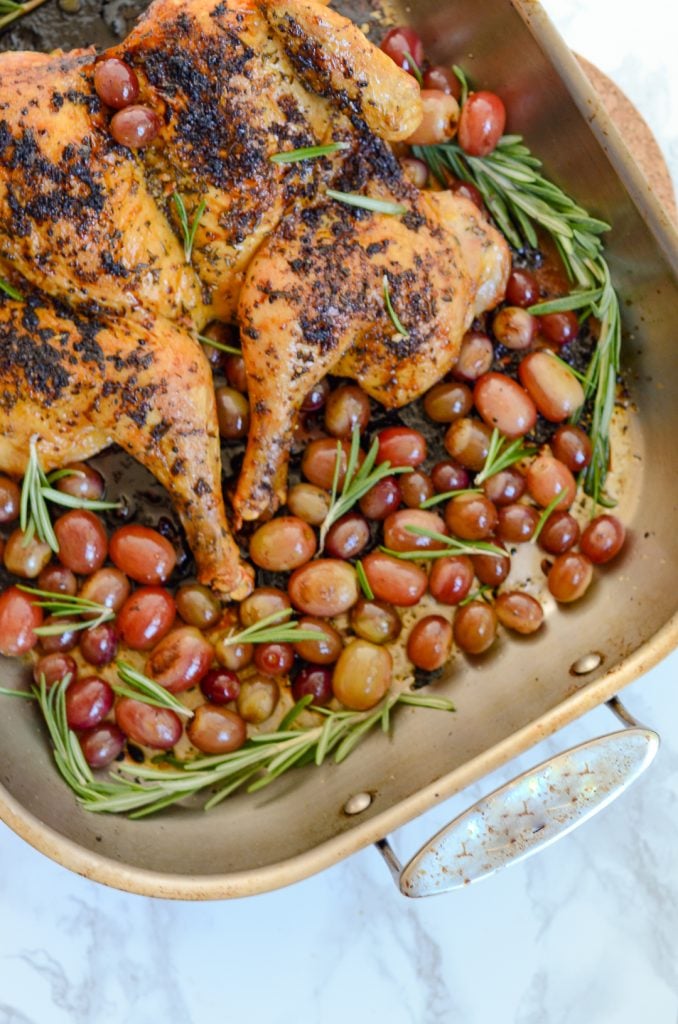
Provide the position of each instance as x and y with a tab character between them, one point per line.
452	546
272	630
138	686
521	199
414	68
447	495
188	229
463	81
230	350
68	754
581	377
5	286
363	581
477	595
4	692
145	789
367	202
357	481
308	153
62	606
33	512
37	490
395	319
544	517
11	11
501	454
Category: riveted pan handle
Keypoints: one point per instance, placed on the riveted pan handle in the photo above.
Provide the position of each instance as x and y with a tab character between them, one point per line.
529	813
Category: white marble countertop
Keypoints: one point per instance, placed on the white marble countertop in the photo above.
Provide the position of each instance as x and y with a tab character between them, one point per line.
585	933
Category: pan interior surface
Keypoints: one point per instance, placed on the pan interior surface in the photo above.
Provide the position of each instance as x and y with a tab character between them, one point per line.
524	688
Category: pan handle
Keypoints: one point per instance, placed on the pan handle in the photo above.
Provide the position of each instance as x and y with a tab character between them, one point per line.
529	813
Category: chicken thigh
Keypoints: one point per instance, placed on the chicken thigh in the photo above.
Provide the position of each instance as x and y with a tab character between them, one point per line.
103	346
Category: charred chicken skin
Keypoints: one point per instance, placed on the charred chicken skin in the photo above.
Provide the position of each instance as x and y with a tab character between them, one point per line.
102	348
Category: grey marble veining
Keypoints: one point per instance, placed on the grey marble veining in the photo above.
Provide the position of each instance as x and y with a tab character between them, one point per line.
585	933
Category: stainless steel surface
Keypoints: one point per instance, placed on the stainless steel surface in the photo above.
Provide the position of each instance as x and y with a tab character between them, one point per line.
358	803
622	713
586	664
522	690
529	813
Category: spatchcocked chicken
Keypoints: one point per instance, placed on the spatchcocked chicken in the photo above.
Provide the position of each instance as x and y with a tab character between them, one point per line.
102	347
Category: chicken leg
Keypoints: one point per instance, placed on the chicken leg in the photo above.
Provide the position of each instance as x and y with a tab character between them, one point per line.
150	391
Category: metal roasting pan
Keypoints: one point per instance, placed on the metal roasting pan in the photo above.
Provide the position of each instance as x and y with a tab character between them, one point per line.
521	691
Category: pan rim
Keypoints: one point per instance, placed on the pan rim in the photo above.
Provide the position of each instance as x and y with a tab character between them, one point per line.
142	881
169	885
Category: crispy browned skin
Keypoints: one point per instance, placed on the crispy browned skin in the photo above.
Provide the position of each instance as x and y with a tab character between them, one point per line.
104	349
83	383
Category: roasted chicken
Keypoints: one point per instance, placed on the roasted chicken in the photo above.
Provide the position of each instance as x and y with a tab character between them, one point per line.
102	346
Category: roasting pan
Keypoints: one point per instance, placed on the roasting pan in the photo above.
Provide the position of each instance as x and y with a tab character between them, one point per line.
522	691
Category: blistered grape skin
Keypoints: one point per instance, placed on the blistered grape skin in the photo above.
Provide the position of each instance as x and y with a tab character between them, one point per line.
362	675
429	645
475	627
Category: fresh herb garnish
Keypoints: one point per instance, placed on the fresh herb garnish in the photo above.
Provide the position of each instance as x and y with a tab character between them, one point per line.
447	495
363	581
575	373
395	319
452	546
501	454
463	81
520	199
231	350
10	10
68	754
4	692
5	286
138	686
544	517
272	629
188	229
367	202
357	481
62	606
308	153
37	490
477	595
143	789
414	68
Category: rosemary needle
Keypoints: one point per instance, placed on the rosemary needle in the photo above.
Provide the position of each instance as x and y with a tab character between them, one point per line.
395	319
308	153
230	350
450	546
271	630
63	606
188	229
10	11
501	454
367	202
9	289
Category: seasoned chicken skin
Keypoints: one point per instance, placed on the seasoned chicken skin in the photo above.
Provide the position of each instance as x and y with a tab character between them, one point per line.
103	346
